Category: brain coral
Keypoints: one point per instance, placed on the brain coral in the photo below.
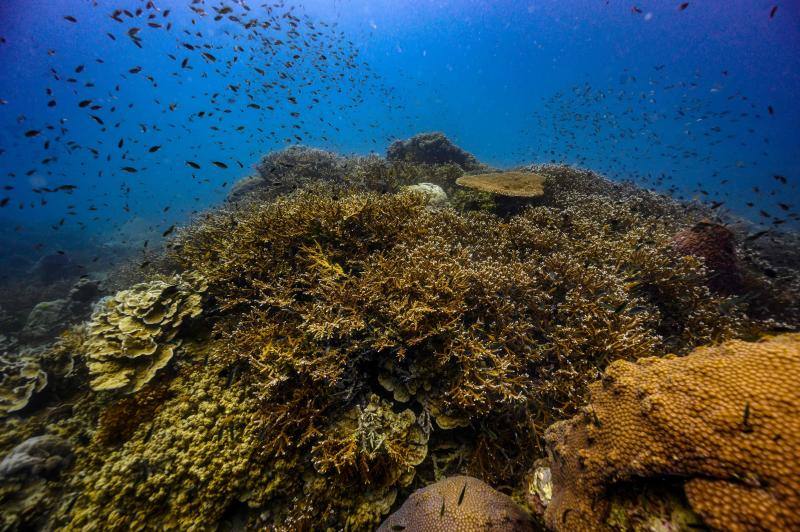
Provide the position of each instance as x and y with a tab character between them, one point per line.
726	419
460	504
19	380
132	334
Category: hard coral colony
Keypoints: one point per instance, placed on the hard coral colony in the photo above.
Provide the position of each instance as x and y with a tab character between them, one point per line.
334	338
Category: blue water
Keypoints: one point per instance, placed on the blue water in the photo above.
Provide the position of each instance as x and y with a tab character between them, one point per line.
701	102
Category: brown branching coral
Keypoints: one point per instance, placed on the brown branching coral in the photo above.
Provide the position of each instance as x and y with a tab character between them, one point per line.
462	504
491	328
132	334
725	420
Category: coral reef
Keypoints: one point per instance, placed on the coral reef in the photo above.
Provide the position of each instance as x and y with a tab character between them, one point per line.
369	327
132	334
714	243
491	327
458	503
725	420
21	377
432	148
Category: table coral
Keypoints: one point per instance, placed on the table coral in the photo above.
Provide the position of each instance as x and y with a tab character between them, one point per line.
132	334
724	419
460	504
513	184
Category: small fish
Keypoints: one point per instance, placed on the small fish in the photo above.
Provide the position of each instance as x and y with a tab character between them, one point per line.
755	236
84	103
219	164
4	201
70	18
169	230
193	165
773	11
129	169
154	149
683	6
771	110
779	178
461	495
746	427
32	133
135	70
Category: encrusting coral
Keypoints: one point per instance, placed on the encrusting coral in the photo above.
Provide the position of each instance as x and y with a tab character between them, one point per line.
461	504
132	334
724	420
20	378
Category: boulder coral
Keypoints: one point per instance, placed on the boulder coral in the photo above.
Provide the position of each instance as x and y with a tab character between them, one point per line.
132	334
432	148
714	243
723	421
460	503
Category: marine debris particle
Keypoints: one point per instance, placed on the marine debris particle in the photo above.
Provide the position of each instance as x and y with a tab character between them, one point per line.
514	184
725	419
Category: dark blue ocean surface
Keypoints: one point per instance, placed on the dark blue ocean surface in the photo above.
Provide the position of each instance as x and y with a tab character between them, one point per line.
121	118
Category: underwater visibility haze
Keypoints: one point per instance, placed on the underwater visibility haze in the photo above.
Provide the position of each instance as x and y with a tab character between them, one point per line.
399	265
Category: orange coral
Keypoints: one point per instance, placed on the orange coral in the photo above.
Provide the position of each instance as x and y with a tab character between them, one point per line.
725	418
460	504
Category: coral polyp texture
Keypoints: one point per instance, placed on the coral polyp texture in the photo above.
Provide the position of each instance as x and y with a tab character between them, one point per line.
132	334
724	421
458	504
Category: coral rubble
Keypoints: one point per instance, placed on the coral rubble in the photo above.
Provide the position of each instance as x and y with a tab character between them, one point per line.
458	503
724	420
131	335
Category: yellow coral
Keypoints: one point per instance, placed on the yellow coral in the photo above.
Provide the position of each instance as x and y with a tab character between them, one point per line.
132	334
725	418
19	379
